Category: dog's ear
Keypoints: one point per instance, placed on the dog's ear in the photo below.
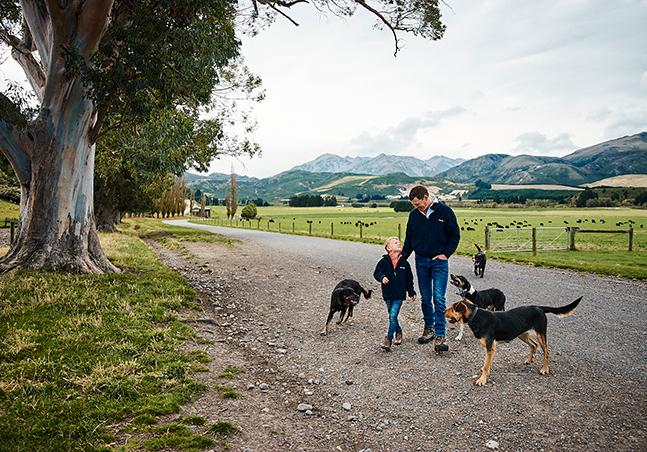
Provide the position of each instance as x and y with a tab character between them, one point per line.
460	307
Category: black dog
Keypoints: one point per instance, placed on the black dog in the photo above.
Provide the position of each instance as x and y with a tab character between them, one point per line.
490	299
492	327
479	260
344	297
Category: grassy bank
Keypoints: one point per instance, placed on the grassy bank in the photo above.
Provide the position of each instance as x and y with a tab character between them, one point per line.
87	359
599	253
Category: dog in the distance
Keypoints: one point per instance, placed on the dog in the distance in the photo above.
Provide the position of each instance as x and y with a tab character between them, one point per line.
343	299
479	260
503	326
490	299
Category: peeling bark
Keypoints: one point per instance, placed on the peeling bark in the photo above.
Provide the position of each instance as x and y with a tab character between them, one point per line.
53	156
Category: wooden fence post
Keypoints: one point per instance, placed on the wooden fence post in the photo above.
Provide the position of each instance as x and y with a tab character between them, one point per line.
360	229
258	226
534	241
487	238
279	226
293	227
309	228
631	239
571	238
399	231
12	233
332	229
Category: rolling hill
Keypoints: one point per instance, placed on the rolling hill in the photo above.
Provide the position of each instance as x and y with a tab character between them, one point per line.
626	155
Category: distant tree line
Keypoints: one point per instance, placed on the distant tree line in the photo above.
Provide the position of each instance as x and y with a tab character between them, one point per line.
312	201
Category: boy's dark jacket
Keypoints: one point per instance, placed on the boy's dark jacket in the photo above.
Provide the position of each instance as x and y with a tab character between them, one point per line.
400	278
439	234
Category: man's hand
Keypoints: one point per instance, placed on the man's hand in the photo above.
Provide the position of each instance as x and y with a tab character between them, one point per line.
442	257
385	280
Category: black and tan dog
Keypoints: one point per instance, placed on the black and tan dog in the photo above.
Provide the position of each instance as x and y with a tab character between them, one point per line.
343	299
479	259
490	299
492	327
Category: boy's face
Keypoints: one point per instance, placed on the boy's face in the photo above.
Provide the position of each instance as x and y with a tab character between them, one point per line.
394	247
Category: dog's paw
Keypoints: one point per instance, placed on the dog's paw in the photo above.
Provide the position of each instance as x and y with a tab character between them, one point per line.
481	381
458	338
323	332
544	370
528	361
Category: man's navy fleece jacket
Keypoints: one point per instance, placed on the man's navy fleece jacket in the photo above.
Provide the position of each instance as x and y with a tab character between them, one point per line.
429	237
400	278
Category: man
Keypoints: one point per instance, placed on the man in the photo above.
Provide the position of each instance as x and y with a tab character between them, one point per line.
433	233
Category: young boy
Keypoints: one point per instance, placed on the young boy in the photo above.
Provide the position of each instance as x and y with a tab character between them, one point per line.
396	278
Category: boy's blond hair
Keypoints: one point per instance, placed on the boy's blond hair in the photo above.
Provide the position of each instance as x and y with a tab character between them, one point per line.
386	243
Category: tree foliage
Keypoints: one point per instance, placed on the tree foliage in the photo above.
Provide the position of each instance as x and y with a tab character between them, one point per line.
249	212
401	206
112	66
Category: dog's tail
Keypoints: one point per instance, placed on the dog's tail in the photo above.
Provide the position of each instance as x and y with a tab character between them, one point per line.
478	248
564	311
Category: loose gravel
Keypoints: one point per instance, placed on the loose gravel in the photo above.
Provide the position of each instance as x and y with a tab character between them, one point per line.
266	299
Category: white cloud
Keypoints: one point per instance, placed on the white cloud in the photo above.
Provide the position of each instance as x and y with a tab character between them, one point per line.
539	144
397	139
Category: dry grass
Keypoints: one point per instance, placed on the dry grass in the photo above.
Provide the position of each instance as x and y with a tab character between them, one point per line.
626	180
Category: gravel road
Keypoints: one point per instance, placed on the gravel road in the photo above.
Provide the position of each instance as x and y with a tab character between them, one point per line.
412	398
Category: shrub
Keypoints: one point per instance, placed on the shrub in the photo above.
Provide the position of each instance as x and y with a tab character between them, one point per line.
601	202
401	206
11	194
249	212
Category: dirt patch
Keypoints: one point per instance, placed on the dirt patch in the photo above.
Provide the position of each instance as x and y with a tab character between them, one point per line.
263	311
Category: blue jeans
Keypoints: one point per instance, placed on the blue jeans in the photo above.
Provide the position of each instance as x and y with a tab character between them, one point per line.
393	308
432	281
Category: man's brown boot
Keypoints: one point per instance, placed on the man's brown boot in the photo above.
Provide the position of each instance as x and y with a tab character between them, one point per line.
398	338
387	344
427	336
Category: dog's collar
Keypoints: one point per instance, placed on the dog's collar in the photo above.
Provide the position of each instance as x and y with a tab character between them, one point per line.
473	314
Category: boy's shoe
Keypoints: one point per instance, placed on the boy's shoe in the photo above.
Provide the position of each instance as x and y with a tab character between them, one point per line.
398	338
427	336
440	345
387	344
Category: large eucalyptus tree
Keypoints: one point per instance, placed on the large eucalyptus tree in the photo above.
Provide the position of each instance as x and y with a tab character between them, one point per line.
88	60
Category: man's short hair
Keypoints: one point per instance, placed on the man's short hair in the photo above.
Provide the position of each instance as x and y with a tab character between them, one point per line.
419	191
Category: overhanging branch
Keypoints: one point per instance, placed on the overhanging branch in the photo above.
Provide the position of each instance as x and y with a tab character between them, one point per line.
384	20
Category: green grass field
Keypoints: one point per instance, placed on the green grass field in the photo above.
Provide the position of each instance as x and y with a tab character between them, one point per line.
7	210
85	360
599	253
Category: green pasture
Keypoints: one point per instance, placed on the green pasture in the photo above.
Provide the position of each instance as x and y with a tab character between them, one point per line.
599	253
7	210
96	362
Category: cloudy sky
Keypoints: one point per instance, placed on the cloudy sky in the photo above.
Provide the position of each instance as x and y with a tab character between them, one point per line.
535	77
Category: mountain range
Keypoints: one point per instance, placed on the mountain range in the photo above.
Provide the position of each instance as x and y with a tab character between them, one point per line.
350	176
379	165
626	155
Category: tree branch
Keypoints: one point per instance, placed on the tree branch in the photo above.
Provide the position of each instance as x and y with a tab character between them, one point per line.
37	20
95	128
93	22
383	19
10	147
21	51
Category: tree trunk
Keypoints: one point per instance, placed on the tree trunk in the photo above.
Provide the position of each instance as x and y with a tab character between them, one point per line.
106	209
57	229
